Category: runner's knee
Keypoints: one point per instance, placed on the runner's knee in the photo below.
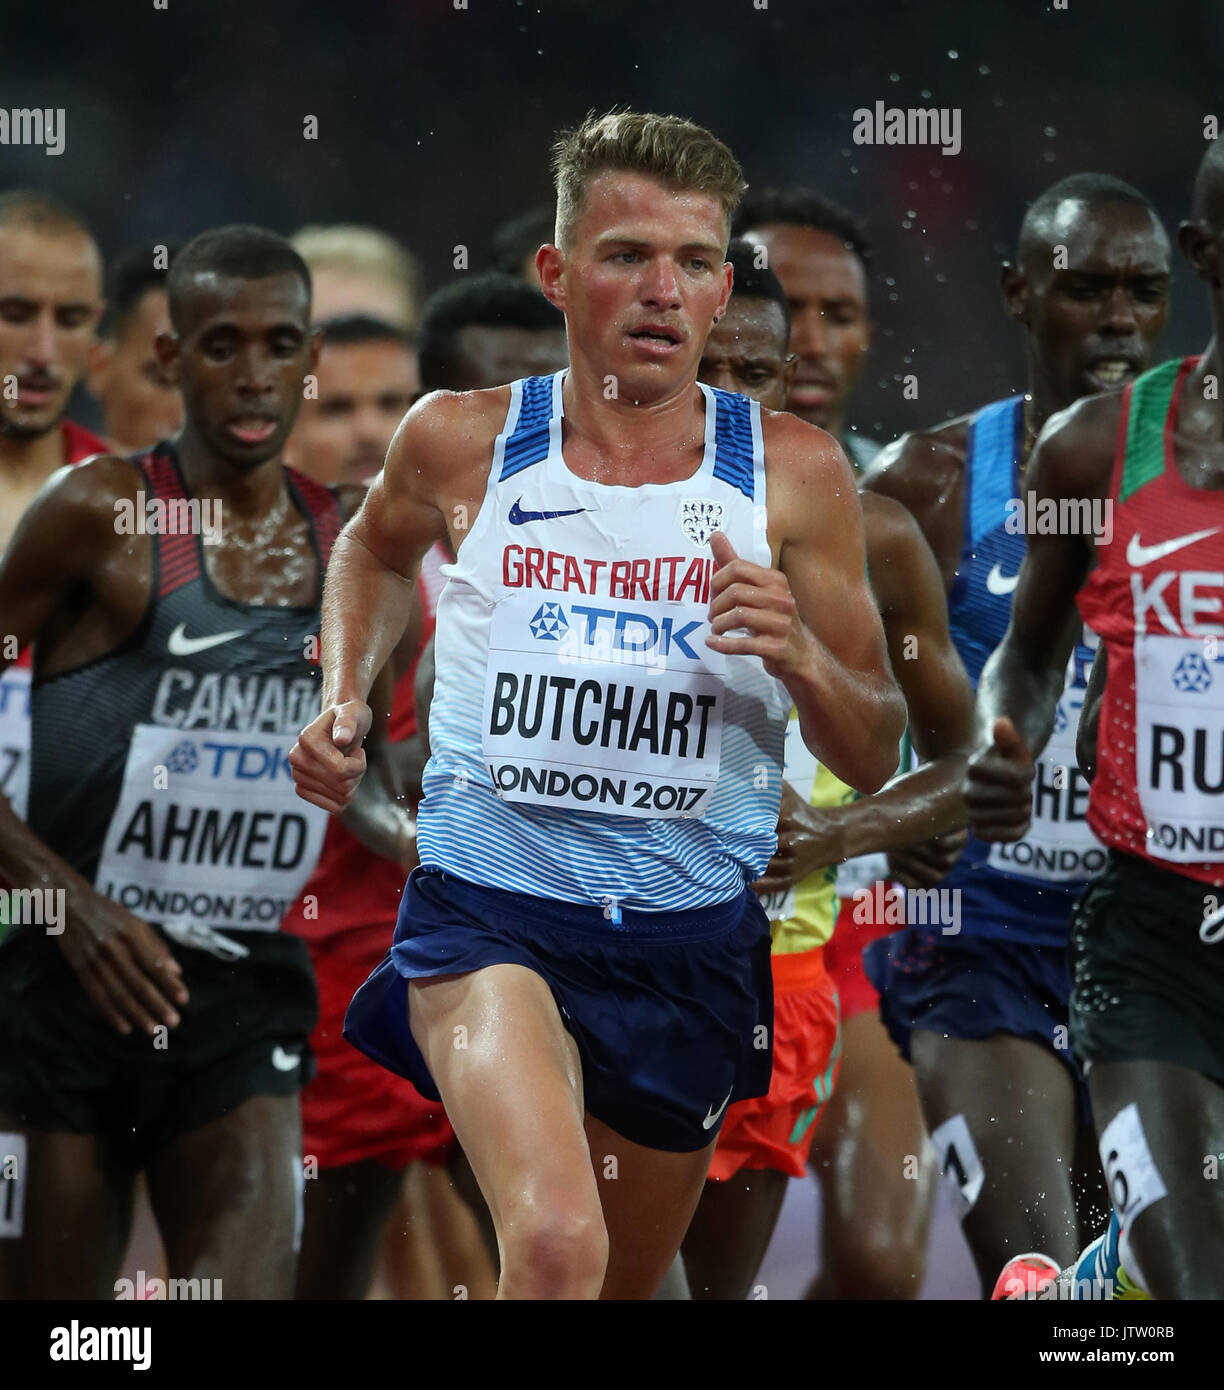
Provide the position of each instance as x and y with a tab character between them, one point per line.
560	1247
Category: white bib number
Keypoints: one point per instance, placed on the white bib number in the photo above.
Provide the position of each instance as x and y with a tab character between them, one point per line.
1179	747
209	831
600	705
15	737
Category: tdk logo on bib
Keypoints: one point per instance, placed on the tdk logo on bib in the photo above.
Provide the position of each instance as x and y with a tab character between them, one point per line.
628	635
183	758
247	762
549	623
1192	674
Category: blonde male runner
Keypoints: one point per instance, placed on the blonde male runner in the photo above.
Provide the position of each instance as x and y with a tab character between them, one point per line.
649	574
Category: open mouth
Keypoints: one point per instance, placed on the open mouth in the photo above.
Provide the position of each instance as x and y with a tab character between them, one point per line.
1112	371
656	337
34	391
252	429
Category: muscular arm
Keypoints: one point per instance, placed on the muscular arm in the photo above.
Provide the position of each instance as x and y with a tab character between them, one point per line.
1024	678
938	695
442	443
1090	715
368	597
378	814
927	801
924	471
851	713
66	558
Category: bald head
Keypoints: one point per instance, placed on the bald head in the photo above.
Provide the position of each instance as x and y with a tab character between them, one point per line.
1208	205
1053	217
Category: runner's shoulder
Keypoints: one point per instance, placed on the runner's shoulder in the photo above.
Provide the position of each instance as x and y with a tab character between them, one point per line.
446	431
922	464
901	567
801	455
893	536
1075	450
85	498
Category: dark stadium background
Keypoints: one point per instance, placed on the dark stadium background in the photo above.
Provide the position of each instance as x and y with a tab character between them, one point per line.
434	123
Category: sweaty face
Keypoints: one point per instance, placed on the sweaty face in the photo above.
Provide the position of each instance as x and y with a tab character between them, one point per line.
50	301
641	282
490	356
243	354
364	390
746	352
1095	321
830	330
141	404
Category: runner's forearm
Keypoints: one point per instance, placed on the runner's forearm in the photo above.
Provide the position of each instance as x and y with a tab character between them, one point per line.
1010	688
916	806
366	607
851	721
27	863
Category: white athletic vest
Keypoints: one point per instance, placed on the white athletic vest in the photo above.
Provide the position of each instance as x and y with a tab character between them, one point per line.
587	745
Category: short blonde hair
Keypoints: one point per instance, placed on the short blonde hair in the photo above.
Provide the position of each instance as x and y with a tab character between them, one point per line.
364	251
678	153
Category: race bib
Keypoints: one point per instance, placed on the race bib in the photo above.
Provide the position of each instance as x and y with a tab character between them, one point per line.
15	737
799	770
1059	846
1179	747
603	705
208	832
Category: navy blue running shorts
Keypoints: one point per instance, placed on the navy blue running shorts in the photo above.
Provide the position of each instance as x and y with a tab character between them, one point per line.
973	987
672	1012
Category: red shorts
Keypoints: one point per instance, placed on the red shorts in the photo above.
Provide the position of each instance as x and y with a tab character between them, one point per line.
354	1109
844	951
775	1131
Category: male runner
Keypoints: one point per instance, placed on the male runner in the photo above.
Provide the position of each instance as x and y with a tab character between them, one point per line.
140	405
983	1014
1148	994
365	382
875	1215
458	347
174	601
765	1141
50	302
822	255
579	951
366	1126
